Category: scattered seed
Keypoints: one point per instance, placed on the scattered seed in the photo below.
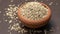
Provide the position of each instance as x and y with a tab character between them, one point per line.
41	1
10	5
35	0
22	26
56	3
12	17
26	0
19	21
25	31
50	3
6	20
47	0
15	27
11	12
16	17
19	31
9	27
22	31
12	0
8	30
45	31
10	21
7	14
0	11
4	14
58	28
0	21
52	29
10	33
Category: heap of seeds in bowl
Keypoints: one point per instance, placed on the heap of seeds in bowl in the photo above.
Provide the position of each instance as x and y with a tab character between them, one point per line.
33	10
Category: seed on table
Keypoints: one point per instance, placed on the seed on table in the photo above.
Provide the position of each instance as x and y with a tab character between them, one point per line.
10	21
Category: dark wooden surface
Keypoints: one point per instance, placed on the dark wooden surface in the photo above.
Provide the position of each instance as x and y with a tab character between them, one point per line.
53	23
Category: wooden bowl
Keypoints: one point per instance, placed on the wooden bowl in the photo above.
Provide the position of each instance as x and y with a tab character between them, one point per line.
35	23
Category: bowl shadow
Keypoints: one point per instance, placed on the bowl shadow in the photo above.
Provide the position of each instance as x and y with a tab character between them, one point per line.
41	30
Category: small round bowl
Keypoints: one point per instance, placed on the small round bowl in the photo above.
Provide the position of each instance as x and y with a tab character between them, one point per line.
35	23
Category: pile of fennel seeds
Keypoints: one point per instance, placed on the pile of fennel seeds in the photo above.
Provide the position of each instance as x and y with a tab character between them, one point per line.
15	23
34	11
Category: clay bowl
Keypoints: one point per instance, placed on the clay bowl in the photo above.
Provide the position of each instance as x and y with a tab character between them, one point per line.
35	23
